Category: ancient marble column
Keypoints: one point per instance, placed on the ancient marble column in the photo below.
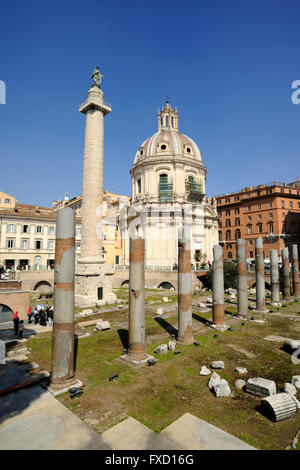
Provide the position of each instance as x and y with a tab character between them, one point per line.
93	277
136	347
296	279
242	286
286	274
185	332
218	286
274	271
62	370
260	276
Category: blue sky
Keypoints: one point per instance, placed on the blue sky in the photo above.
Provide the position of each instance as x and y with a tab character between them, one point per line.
227	65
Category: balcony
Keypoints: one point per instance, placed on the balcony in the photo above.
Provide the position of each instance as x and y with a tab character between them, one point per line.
165	192
194	190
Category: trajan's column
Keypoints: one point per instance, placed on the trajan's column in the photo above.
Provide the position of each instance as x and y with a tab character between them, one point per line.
93	278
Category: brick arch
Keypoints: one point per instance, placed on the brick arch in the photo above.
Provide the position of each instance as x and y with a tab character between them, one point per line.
124	283
166	285
6	313
42	284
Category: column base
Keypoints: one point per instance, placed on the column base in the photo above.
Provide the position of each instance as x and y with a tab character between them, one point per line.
62	387
93	280
136	359
219	327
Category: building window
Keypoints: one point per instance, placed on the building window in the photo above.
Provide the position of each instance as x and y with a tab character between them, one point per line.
282	204
11	228
25	229
229	254
39	229
281	190
139	184
237	221
229	246
228	212
250	242
271	227
77	245
251	254
104	236
270	215
78	231
237	211
7	201
117	257
24	244
220	236
228	223
237	234
283	228
10	243
227	199
219	201
258	193
283	215
228	235
249	208
249	218
249	229
269	190
260	228
51	245
291	204
259	206
259	217
237	198
51	230
38	244
270	204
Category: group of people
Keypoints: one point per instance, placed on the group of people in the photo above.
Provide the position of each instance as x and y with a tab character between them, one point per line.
39	316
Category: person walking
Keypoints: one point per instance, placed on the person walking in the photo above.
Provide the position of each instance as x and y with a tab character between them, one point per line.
16	321
21	329
29	314
50	316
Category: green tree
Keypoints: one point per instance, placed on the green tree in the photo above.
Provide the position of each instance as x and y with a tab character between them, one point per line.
230	274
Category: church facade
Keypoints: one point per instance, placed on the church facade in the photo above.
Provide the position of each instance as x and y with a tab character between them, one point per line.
168	189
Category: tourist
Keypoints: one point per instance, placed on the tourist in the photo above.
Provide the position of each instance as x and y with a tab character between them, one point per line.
21	329
50	316
16	320
43	321
29	314
36	317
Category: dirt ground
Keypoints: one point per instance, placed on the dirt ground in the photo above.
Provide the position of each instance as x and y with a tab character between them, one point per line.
160	394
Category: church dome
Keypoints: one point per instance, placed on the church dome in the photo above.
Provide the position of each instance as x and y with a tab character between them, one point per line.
168	141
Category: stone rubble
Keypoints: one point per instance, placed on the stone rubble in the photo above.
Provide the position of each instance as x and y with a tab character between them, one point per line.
172	345
296	381
239	384
205	371
217	365
102	325
290	388
241	370
162	349
279	406
159	311
215	379
261	387
222	389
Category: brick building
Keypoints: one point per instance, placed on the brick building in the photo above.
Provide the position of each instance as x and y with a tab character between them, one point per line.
269	211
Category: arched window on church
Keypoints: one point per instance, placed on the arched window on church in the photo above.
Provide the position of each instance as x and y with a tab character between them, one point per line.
172	122
167	122
228	235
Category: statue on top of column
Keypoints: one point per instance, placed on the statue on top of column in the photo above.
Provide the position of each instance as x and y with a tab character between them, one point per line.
96	76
